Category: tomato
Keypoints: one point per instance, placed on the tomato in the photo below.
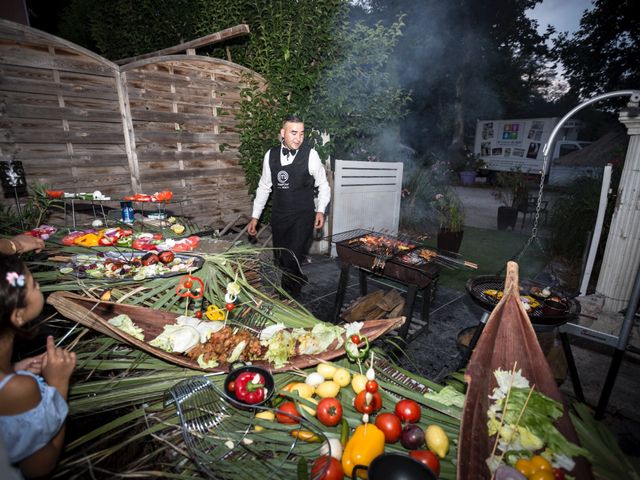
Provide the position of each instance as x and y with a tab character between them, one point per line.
355	339
333	472
541	475
329	411
290	408
198	314
540	463
230	306
408	411
524	466
140	244
371	386
558	474
188	284
360	402
428	458
232	386
390	425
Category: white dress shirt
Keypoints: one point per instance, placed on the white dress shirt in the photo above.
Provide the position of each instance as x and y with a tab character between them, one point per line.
316	169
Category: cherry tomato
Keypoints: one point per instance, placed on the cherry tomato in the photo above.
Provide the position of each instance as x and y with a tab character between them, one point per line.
290	408
231	386
230	306
390	425
371	386
198	314
428	458
558	474
538	462
333	472
408	411
524	466
355	339
541	475
188	284
329	411
360	402
367	408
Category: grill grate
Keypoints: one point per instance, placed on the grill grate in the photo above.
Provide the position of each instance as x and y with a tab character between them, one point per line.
224	443
477	286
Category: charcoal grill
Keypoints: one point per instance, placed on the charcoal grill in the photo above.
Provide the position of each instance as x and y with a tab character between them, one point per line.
476	288
540	322
397	258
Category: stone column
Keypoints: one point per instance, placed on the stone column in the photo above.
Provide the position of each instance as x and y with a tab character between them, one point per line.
622	253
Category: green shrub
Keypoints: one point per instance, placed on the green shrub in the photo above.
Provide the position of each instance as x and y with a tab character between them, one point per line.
573	216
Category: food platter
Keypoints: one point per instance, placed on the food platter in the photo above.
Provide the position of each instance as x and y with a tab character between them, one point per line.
116	266
95	314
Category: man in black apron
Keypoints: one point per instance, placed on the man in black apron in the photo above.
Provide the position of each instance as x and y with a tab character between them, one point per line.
292	171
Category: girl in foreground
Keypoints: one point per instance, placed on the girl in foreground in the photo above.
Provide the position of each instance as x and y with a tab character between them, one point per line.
33	408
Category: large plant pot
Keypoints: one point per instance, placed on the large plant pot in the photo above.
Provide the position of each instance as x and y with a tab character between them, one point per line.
468	177
507	217
450	241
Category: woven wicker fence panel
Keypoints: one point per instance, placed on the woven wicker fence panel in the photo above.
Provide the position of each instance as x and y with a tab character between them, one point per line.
184	118
60	113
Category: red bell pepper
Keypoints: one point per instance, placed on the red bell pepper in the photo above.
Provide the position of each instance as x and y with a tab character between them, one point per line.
105	241
249	388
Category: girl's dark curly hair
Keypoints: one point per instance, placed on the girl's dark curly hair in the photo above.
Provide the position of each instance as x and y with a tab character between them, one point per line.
11	298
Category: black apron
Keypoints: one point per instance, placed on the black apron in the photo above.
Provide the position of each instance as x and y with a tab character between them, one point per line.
293	214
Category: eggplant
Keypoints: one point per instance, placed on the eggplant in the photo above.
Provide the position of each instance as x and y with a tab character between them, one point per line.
166	256
150	259
412	437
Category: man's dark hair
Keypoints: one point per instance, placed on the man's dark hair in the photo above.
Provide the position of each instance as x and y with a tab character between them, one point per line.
293	118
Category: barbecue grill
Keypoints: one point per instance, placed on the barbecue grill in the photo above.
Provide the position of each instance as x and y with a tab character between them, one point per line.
398	258
478	286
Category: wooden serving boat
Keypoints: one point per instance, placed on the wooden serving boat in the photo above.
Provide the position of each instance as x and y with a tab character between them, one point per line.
508	337
95	314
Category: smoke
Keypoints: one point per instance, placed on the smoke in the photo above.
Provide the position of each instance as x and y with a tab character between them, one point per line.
435	46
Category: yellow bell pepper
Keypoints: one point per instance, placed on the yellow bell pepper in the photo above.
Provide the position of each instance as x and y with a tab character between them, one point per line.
366	444
214	313
88	240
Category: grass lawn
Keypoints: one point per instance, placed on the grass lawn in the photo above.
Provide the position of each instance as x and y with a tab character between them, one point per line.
491	249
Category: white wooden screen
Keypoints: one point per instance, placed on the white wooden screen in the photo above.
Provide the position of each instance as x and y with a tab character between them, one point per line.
366	195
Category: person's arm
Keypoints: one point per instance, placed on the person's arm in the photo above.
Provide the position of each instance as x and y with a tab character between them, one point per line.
57	367
316	169
262	195
20	244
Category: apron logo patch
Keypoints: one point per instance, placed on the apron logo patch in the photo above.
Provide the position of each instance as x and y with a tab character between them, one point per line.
283	179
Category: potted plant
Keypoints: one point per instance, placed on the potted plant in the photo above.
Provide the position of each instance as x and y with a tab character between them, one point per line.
450	214
511	191
467	167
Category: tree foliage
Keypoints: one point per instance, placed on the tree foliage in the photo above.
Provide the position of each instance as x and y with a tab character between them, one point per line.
604	54
472	60
316	62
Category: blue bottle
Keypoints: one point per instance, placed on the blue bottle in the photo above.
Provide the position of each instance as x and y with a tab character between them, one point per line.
127	212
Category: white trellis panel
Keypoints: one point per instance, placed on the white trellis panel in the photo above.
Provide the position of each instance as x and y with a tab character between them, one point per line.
366	195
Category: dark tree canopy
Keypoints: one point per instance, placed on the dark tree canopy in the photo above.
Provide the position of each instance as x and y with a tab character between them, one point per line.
604	54
464	60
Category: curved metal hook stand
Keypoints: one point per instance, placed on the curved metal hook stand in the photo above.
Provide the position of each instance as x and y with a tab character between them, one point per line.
634	97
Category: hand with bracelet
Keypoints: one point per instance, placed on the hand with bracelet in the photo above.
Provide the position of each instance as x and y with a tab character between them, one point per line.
21	244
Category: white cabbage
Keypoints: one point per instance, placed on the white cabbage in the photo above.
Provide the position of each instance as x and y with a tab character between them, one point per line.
124	323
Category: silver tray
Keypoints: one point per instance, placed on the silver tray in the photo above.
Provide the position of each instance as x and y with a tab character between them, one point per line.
79	264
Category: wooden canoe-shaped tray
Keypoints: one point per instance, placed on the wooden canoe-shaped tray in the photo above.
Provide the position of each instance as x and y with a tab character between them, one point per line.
508	337
95	314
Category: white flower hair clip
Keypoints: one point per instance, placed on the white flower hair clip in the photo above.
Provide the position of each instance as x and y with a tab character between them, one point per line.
15	280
